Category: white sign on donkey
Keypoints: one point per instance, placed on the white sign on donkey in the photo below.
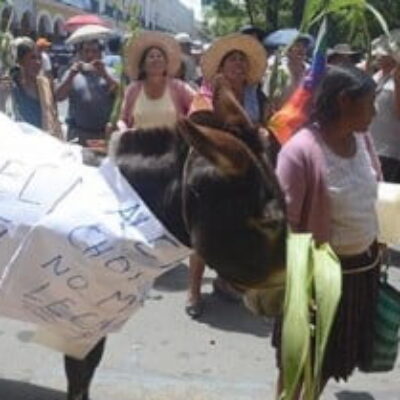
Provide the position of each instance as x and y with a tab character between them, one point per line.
78	248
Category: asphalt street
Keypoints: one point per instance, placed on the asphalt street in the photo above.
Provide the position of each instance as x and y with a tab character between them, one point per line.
161	354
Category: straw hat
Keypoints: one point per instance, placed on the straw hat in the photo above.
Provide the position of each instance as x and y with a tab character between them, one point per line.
137	46
254	51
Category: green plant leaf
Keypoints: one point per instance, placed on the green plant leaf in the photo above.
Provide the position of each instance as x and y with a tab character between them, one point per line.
311	9
327	287
296	329
379	17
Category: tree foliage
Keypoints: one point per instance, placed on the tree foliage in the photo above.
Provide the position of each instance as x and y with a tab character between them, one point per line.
351	19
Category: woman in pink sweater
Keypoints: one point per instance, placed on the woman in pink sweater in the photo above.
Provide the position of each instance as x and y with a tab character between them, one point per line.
329	173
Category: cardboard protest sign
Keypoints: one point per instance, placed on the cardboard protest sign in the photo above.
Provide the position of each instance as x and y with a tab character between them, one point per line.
78	248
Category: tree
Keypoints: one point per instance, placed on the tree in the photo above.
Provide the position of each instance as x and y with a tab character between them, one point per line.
298	12
225	16
351	19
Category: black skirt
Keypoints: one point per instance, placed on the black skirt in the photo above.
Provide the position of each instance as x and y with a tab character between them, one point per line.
350	341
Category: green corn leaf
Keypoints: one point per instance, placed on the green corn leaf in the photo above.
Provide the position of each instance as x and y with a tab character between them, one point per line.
327	287
296	330
313	287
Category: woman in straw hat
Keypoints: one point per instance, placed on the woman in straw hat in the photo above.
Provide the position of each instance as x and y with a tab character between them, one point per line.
154	98
240	60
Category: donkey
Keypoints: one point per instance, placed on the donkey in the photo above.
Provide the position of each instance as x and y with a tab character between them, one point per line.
210	183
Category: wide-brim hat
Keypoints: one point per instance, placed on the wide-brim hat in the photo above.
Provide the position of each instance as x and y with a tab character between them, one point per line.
138	45
342	49
89	32
380	47
387	46
255	52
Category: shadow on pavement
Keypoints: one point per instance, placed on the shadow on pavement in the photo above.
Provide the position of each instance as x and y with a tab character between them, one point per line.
218	313
229	316
347	395
177	279
14	390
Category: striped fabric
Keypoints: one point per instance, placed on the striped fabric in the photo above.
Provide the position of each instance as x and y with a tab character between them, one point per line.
295	112
386	330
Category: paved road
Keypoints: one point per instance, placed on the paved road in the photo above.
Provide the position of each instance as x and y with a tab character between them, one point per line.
163	355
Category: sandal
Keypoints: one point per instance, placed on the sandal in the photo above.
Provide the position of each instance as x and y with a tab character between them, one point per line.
194	310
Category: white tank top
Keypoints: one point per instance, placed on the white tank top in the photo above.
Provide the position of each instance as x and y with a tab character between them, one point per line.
151	113
352	188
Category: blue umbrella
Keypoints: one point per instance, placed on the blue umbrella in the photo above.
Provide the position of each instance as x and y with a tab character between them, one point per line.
284	37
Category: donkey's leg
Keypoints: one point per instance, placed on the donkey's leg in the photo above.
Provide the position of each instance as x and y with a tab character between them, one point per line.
80	372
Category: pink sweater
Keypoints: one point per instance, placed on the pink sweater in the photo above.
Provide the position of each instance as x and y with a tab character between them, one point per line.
182	96
301	171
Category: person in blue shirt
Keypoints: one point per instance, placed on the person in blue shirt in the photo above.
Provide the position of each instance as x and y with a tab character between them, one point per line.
90	89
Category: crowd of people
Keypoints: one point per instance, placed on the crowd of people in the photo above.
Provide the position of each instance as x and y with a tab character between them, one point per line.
329	170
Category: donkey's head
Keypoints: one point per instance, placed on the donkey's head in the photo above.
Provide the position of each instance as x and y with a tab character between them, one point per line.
233	205
221	196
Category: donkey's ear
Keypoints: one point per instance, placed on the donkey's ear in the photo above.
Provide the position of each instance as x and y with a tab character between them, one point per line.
223	150
226	107
206	118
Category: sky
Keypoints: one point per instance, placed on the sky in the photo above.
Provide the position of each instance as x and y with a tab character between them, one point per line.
195	5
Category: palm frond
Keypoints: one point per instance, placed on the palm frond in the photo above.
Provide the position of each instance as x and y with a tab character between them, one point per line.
379	17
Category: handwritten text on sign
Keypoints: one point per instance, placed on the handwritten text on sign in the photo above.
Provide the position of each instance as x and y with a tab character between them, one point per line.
78	248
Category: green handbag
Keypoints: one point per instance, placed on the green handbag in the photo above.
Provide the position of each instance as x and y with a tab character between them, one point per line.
386	329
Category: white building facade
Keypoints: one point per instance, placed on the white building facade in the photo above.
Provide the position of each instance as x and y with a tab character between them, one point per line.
166	15
46	17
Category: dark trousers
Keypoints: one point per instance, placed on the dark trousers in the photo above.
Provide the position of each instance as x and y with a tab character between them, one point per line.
80	372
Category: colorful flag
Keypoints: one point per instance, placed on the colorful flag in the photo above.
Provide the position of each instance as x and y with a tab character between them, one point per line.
295	112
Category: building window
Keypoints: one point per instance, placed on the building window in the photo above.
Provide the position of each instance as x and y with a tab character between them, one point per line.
95	6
